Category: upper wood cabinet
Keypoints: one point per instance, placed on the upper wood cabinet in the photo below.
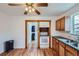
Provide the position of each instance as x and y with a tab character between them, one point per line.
62	21
60	24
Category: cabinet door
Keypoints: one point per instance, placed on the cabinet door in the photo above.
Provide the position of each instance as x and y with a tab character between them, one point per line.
53	43
70	51
62	24
54	53
58	25
55	46
69	54
61	50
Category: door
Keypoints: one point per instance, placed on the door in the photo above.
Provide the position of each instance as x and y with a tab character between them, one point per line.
28	32
32	34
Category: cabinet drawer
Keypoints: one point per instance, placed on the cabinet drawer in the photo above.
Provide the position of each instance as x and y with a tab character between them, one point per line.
71	50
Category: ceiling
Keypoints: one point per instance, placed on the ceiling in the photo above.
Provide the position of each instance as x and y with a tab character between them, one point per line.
53	9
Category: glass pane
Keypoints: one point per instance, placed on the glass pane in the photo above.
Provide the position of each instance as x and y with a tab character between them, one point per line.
76	21
76	24
76	17
33	29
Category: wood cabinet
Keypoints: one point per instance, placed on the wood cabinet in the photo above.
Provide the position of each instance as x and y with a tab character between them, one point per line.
60	24
53	43
55	46
70	51
61	49
69	54
54	53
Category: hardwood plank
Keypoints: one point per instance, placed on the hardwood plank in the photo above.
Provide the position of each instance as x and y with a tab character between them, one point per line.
29	52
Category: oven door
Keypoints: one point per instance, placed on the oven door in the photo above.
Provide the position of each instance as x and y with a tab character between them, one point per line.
44	41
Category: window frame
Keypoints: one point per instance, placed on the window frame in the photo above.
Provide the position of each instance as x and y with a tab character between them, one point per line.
73	22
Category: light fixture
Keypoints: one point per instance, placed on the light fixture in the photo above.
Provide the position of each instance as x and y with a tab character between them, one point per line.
30	10
33	9
29	3
26	9
30	7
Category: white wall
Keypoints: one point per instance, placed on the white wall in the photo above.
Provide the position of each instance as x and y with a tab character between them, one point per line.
18	28
5	33
13	27
69	13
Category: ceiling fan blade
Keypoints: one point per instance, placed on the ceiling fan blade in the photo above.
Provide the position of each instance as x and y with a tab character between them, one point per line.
29	4
37	11
16	4
40	4
25	13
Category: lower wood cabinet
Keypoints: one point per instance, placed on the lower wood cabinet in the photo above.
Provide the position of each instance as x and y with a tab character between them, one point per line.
69	54
55	45
70	51
55	53
61	49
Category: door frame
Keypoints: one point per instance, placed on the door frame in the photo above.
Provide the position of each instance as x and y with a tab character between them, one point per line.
26	21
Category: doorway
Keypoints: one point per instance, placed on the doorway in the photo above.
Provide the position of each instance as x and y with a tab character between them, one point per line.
32	33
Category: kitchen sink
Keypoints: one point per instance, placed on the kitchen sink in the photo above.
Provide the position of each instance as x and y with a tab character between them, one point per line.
73	43
76	45
69	42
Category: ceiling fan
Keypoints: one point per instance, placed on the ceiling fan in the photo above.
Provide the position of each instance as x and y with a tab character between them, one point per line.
30	7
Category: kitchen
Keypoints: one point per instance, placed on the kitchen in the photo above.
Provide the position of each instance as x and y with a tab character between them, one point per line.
57	29
68	45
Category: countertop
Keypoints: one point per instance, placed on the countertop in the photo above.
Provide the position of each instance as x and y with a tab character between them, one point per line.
64	40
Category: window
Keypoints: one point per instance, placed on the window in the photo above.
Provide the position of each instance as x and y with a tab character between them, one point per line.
33	29
76	24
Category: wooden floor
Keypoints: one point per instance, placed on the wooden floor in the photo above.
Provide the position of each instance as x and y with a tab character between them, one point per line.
29	52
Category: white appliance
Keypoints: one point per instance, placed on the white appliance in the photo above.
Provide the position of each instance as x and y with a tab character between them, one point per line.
44	41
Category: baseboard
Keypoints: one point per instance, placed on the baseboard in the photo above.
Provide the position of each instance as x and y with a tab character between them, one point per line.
19	48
